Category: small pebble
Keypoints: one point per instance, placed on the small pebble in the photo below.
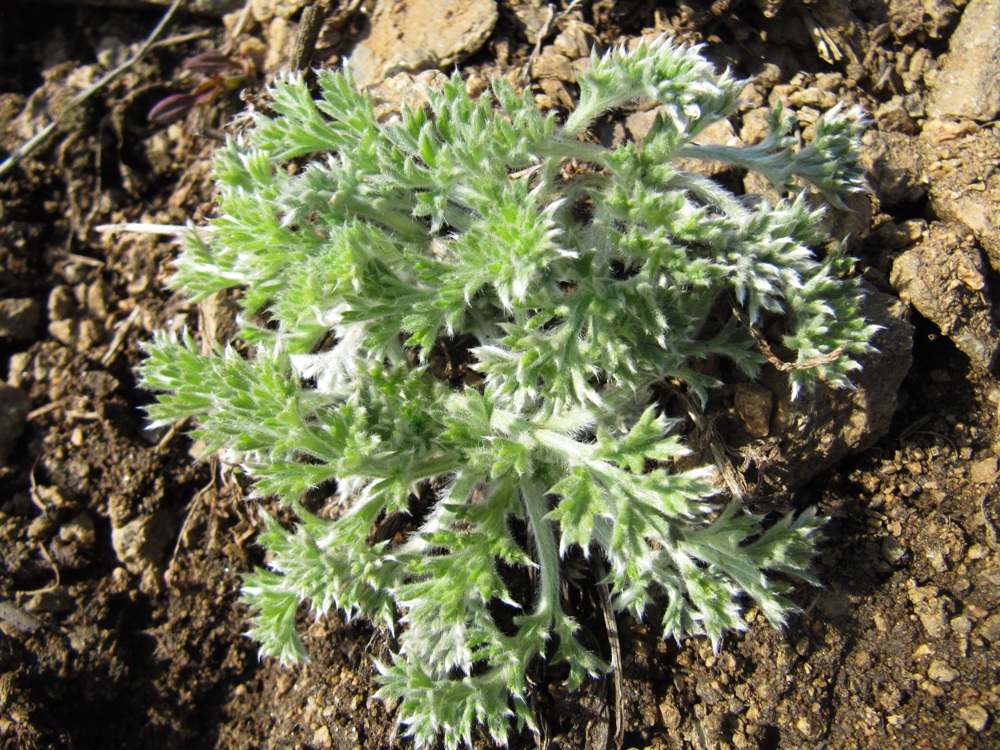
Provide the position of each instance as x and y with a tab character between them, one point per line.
804	726
670	715
941	671
990	628
984	471
64	331
976	551
322	739
61	303
89	335
40	527
19	317
961	625
18	369
893	552
975	716
931	689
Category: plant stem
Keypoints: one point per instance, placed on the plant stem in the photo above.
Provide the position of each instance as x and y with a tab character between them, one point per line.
546	547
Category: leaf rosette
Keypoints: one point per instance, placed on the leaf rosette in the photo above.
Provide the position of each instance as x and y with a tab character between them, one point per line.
570	294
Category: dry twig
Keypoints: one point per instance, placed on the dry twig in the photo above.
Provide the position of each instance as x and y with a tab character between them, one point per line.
120	333
992	536
779	364
305	40
614	642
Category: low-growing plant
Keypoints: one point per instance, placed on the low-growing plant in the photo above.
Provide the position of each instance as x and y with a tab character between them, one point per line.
215	71
453	322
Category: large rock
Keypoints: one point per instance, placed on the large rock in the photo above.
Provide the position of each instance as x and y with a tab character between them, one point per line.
410	36
944	279
968	84
896	166
965	184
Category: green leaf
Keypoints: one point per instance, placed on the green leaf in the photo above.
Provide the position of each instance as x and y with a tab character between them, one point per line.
580	503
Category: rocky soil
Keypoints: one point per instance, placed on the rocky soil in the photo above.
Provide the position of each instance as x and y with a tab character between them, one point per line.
120	556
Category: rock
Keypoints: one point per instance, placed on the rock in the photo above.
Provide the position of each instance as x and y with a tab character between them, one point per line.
531	15
265	10
141	546
965	185
72	548
853	225
322	739
99	383
961	626
805	726
64	331
415	35
79	530
820	428
891	116
893	552
984	471
279	34
14	407
670	715
977	717
931	17
17	619
391	95
41	527
900	236
640	123
98	297
19	369
575	40
89	336
754	404
61	302
814	97
553	64
968	83
942	671
944	279
941	541
990	628
938	132
895	164
931	607
19	318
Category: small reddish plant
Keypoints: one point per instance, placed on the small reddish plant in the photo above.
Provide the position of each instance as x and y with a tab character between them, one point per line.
212	72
